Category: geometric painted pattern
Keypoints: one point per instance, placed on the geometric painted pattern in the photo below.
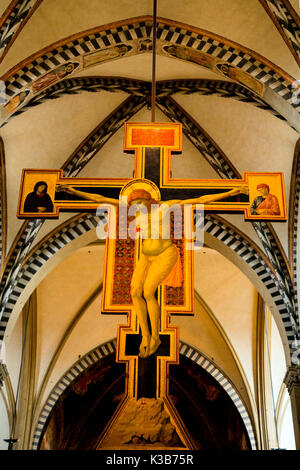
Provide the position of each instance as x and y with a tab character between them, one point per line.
132	35
9	286
287	22
14	20
294	217
3	221
284	280
110	348
207	87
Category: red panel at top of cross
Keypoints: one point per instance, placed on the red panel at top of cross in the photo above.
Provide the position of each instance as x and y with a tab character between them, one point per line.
153	134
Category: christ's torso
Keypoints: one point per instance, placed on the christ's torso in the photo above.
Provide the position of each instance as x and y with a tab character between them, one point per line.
153	228
153	247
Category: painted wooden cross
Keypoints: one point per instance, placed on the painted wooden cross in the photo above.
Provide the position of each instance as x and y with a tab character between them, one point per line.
43	194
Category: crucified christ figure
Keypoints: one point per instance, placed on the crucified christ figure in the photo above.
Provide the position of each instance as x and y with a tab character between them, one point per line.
159	262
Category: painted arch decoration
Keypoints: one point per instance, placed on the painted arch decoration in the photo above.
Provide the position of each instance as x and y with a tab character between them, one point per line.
13	21
287	22
76	85
133	36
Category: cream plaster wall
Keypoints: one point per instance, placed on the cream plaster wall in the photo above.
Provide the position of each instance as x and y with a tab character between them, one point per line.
232	299
14	351
46	137
278	365
250	137
92	330
61	295
286	434
296	5
201	332
3	5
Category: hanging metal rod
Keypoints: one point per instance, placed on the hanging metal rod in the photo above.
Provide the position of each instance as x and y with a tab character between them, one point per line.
153	94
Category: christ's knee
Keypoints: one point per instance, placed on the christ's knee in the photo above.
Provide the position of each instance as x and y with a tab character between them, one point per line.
149	293
136	292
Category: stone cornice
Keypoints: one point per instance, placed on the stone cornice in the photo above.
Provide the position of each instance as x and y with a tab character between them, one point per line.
292	377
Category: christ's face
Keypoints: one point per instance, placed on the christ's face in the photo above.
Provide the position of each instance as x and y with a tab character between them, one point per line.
141	206
139	202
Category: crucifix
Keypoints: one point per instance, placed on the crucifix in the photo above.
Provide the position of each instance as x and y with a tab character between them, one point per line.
148	271
149	274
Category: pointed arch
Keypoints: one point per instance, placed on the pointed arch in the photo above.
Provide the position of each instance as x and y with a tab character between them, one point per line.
237	246
109	348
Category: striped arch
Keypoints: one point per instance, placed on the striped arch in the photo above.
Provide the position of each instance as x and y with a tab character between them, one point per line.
3	208
109	348
196	356
92	84
133	36
287	22
213	225
294	216
84	363
13	21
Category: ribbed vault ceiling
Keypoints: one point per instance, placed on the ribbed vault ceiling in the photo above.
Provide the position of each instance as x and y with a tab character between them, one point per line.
45	135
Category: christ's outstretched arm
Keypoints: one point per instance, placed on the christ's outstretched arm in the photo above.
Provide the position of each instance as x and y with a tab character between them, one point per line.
89	196
209	198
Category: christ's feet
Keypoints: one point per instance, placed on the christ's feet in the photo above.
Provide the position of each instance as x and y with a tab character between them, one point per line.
154	344
145	346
